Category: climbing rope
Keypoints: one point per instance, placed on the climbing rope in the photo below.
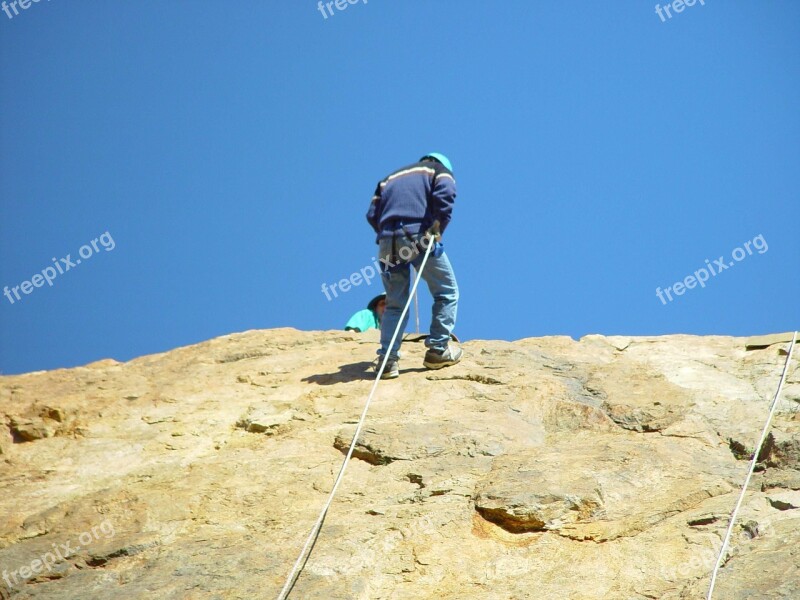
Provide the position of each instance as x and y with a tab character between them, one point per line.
753	462
312	538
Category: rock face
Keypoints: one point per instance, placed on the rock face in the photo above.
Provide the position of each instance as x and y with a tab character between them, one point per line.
545	468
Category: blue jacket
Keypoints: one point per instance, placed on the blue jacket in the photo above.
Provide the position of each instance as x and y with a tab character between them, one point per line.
413	197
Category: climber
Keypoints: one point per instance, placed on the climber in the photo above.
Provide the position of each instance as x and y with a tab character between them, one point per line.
370	317
411	208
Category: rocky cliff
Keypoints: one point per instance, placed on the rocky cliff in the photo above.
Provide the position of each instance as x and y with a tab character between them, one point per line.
545	468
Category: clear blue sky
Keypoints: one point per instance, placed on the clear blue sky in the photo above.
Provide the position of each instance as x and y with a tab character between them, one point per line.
231	149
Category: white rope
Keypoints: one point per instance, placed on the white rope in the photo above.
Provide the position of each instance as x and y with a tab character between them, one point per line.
416	310
301	560
753	462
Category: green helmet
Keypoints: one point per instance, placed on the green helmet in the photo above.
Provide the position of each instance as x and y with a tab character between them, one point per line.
441	158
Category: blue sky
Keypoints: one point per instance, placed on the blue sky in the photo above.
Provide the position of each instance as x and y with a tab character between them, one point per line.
230	152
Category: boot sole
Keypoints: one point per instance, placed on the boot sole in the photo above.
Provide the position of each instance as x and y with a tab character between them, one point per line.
440	365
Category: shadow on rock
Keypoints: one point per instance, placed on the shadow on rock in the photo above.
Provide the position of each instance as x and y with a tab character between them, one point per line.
352	372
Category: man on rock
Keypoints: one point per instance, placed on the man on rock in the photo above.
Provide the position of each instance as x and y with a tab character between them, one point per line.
412	207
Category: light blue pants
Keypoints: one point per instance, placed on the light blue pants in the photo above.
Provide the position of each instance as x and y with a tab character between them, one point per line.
441	280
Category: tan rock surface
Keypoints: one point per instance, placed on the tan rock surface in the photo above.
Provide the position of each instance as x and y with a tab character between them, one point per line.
544	468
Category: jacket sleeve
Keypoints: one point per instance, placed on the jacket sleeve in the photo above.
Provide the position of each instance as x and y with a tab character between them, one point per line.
443	197
374	211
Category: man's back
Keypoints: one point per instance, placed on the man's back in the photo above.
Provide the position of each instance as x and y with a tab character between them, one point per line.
414	196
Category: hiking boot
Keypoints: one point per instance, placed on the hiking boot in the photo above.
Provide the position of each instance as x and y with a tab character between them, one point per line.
391	370
436	359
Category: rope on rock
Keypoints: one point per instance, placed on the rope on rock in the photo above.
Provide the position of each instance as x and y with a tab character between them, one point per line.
312	538
753	462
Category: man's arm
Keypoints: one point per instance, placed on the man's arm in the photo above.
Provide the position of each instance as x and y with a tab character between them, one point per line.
374	212
443	197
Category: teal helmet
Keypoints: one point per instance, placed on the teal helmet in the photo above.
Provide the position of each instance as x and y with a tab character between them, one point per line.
441	158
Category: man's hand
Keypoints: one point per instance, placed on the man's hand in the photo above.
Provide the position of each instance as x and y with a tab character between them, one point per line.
434	232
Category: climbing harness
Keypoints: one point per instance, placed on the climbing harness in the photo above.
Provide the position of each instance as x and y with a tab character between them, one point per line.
312	538
753	462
